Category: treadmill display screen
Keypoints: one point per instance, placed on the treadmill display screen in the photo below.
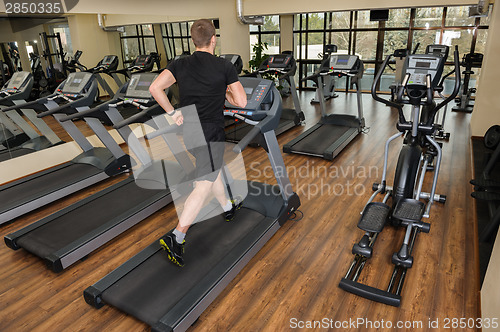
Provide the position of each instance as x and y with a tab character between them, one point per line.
107	60
143	85
342	60
139	85
279	61
141	60
17	79
421	64
76	82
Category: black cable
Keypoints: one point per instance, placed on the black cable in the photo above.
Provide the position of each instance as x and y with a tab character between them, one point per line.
294	217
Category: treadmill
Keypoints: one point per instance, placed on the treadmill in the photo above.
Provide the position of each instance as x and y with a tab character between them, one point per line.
334	131
285	65
17	136
94	164
168	298
107	65
143	63
72	233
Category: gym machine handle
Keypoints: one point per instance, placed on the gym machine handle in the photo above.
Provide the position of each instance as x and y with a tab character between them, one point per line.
456	89
429	88
28	104
134	118
247	139
377	80
80	115
57	109
167	130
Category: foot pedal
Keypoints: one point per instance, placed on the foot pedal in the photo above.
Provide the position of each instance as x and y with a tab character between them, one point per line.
486	196
408	210
483	183
374	217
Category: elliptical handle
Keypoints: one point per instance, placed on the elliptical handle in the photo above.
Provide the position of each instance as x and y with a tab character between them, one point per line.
456	89
377	80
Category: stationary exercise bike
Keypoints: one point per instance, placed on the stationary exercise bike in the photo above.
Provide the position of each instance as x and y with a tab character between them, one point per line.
464	100
420	154
328	83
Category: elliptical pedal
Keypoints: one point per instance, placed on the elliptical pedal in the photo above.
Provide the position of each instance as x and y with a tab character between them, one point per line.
486	195
409	210
374	217
485	184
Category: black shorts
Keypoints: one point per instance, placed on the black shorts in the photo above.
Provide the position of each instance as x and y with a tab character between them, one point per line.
210	156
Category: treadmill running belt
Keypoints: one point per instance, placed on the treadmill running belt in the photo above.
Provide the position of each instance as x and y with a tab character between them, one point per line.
78	222
6	155
144	292
43	185
321	139
236	133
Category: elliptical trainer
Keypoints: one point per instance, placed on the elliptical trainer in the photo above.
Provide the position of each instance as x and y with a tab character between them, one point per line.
420	153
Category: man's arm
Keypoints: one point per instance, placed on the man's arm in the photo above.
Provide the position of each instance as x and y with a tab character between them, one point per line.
236	95
157	89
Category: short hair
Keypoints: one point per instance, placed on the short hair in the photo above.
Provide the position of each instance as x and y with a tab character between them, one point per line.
201	32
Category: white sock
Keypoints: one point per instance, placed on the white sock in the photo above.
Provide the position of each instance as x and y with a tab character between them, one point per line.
228	206
179	236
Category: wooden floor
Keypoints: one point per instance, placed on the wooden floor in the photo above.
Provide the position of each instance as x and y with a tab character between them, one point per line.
295	276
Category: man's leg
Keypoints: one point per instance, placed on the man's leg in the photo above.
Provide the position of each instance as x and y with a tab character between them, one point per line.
219	191
173	242
193	204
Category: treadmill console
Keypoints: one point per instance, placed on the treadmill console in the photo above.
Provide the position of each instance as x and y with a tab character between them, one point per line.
437	49
259	97
421	65
143	61
19	81
138	87
75	84
343	62
109	62
235	59
279	61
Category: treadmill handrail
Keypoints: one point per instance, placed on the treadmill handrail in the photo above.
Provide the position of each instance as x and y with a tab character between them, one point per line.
86	112
28	104
243	143
135	117
58	109
173	128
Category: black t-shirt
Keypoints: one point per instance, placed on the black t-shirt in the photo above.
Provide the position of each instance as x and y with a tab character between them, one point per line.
203	79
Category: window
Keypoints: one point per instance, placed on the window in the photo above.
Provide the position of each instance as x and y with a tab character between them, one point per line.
354	33
63	30
428	17
137	40
268	33
459	16
177	39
